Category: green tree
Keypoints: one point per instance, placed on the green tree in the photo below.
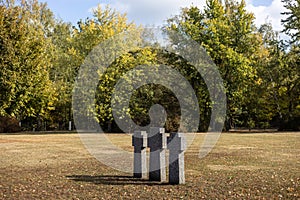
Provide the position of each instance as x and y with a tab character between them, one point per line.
62	74
289	91
148	95
26	89
292	22
86	38
227	32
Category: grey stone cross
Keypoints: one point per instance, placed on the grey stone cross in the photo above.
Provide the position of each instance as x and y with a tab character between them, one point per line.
176	146
157	142
139	141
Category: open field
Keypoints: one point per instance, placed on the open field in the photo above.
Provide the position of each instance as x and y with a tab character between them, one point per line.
241	166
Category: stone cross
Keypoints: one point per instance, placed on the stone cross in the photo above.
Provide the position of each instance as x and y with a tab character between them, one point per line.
176	146
139	141
157	142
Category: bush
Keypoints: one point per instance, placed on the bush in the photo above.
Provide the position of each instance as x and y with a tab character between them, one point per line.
290	125
9	125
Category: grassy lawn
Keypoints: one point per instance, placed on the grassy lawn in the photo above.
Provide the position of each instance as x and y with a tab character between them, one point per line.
241	166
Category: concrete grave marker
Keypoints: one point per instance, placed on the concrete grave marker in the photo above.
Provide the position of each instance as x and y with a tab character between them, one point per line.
139	141
157	142
176	146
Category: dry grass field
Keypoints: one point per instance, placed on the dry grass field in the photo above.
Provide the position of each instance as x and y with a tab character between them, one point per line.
241	166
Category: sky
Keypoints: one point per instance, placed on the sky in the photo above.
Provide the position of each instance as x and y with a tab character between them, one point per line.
155	12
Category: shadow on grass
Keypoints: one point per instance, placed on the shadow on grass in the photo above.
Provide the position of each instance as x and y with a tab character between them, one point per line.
113	180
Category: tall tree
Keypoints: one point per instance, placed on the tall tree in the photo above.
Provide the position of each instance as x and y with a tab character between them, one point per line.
85	38
292	22
62	74
227	32
24	59
291	75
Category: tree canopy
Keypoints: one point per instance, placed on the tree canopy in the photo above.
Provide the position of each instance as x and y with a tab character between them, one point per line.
40	57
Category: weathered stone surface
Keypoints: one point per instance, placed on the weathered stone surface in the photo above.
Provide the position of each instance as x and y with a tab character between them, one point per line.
157	142
139	141
176	146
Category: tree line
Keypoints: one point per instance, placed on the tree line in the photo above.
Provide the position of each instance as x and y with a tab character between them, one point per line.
40	57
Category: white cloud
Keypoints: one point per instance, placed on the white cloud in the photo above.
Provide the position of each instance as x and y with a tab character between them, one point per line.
152	12
155	12
271	13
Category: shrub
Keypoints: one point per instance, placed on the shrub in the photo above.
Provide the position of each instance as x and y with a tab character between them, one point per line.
9	125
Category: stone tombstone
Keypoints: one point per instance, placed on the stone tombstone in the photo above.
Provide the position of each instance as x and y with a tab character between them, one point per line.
176	146
139	141
157	142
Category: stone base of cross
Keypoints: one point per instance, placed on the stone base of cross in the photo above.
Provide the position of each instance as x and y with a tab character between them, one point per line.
158	142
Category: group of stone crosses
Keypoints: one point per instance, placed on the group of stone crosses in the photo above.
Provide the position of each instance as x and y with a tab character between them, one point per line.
158	142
